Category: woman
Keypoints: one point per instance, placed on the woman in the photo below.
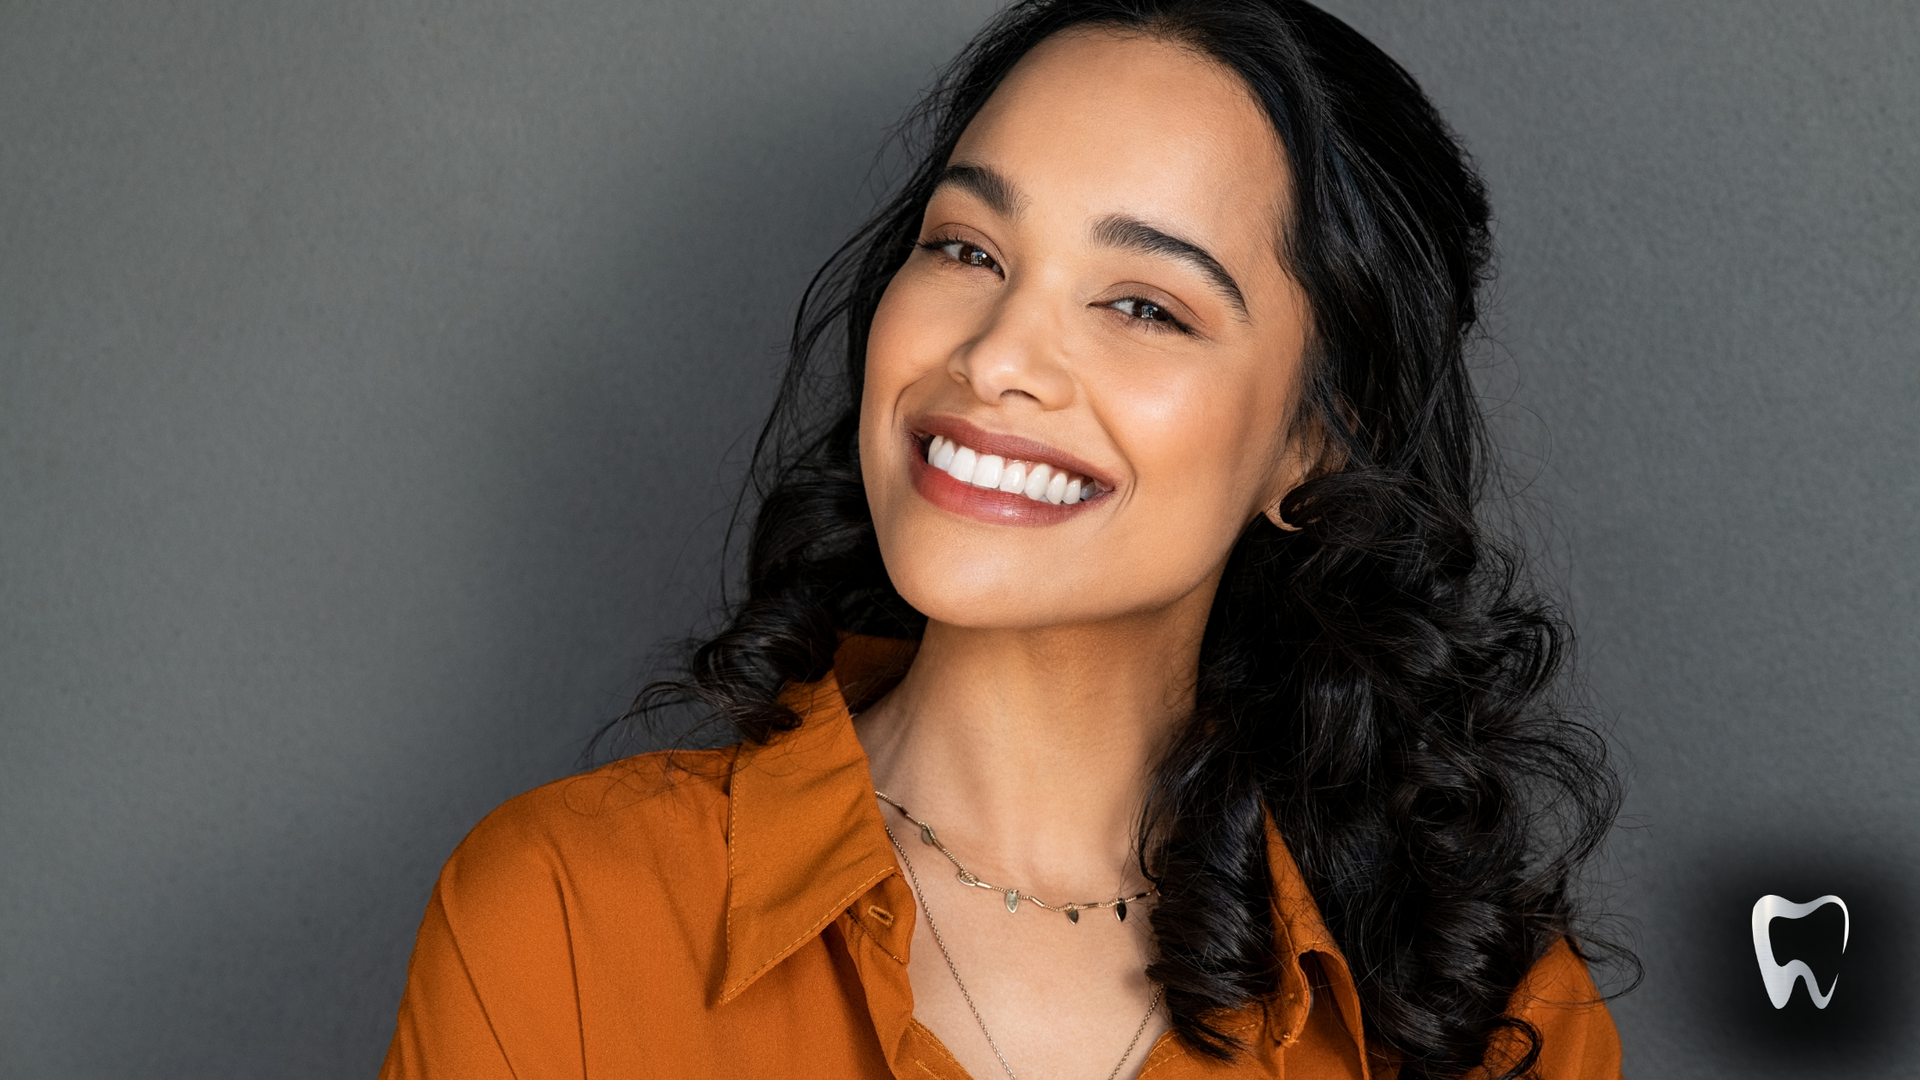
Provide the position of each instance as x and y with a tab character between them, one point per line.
1123	684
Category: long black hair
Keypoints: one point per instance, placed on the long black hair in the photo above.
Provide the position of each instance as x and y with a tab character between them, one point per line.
1381	679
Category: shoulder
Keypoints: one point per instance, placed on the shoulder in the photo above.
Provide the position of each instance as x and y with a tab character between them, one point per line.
1577	1037
597	887
625	826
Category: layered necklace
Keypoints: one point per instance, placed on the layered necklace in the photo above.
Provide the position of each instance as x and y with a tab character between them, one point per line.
1012	898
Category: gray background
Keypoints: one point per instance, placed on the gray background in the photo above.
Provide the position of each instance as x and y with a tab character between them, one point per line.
373	377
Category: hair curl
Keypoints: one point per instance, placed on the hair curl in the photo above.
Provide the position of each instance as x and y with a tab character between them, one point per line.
1380	680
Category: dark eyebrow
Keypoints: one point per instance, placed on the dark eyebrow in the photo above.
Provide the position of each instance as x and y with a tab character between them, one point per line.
988	186
1136	235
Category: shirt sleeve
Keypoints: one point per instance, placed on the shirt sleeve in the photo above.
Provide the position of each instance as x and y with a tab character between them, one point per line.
1577	1037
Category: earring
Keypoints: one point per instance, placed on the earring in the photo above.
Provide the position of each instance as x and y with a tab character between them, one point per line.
1273	515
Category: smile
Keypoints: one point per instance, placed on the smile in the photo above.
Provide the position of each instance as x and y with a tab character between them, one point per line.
1037	481
999	478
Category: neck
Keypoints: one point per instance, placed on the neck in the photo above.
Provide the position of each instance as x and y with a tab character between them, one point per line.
1031	751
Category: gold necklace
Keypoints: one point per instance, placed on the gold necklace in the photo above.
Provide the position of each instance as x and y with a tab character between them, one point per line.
1013	896
953	969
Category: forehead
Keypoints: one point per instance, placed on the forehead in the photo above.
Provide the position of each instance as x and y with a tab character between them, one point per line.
1106	122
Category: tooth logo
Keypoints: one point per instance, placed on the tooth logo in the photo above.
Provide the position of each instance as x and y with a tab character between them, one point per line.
1781	977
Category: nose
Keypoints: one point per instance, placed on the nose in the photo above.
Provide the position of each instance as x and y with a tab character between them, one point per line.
1019	352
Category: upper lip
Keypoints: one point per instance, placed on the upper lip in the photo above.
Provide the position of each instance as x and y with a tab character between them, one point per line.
1010	447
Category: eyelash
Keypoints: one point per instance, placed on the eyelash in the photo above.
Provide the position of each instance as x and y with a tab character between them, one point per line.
1165	323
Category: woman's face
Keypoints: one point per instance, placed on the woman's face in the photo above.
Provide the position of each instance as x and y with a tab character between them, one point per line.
1095	344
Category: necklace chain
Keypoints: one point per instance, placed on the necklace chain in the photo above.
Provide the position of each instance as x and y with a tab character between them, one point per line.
1013	896
914	880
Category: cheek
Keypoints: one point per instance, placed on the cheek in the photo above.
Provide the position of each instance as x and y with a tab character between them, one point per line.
890	364
1204	447
886	335
906	343
904	363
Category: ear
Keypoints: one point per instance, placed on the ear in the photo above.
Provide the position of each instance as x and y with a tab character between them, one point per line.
1308	454
1298	463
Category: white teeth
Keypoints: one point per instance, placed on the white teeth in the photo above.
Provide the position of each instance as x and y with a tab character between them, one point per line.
1036	488
1041	483
964	462
986	474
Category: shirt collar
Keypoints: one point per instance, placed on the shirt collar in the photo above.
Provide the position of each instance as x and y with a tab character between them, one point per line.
805	840
1302	933
804	836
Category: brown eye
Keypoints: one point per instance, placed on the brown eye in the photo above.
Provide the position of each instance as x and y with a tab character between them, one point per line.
1146	311
963	253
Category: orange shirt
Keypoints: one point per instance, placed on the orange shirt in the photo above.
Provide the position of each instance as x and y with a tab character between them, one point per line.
739	912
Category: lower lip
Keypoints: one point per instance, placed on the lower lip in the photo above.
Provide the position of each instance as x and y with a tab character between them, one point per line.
985	504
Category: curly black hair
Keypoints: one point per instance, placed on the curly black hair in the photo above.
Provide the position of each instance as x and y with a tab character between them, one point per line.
1381	678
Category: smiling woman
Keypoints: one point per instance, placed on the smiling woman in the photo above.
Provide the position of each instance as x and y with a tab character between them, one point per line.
1125	559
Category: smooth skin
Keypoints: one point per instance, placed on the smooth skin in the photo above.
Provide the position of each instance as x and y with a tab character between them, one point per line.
1059	657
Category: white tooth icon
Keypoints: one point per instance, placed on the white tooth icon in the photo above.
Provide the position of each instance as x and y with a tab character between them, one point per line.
1781	977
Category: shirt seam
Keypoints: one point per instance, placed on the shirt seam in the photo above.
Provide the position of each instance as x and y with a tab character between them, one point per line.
937	1043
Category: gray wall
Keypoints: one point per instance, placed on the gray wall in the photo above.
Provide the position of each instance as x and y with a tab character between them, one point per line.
372	378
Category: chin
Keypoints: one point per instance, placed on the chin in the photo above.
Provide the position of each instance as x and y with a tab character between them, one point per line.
975	601
1008	594
985	593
